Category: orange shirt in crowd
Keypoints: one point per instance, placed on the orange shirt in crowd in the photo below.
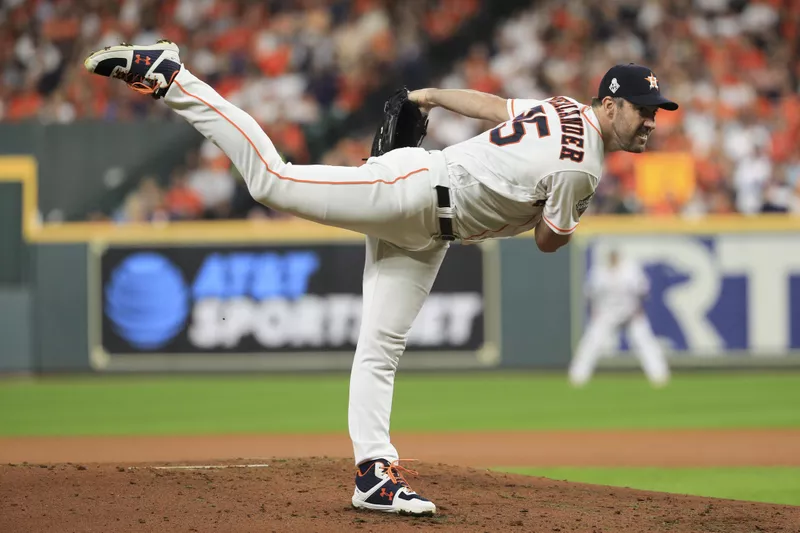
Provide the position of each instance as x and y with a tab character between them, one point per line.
24	106
184	202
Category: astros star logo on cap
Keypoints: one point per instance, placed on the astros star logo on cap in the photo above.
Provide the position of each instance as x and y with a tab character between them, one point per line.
653	81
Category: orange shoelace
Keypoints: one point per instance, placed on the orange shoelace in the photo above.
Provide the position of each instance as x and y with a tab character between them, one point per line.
142	85
395	472
138	83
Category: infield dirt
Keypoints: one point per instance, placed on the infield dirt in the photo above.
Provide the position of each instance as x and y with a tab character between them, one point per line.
130	492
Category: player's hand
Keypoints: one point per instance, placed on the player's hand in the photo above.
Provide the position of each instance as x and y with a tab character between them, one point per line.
422	97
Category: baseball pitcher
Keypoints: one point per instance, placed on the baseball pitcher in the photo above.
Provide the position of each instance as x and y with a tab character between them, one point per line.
615	291
537	169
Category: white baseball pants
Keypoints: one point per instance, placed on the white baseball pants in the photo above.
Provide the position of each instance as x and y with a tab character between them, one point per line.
391	199
602	331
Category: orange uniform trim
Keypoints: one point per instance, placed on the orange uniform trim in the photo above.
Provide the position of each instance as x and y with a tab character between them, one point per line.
583	112
566	231
484	232
288	178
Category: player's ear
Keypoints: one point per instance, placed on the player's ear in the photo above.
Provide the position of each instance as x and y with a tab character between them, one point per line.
610	107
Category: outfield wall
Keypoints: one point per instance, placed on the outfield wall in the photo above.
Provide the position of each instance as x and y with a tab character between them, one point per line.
245	309
277	296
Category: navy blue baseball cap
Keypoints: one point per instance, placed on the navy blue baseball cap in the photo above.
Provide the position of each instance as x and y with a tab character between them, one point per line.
636	84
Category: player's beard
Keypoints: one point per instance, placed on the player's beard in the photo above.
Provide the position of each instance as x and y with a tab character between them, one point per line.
637	142
630	142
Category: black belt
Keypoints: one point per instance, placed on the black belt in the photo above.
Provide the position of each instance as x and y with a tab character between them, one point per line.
445	223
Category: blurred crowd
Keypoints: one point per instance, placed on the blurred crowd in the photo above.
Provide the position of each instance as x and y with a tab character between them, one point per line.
205	187
289	63
733	65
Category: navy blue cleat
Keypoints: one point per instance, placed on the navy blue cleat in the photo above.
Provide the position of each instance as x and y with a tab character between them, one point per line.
380	486
147	69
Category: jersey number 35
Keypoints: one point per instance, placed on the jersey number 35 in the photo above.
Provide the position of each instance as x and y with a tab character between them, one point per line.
534	115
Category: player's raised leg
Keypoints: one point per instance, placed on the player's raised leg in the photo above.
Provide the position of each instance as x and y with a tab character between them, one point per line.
391	197
396	285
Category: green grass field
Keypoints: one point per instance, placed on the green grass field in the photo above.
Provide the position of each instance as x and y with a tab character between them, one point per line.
120	405
471	402
759	484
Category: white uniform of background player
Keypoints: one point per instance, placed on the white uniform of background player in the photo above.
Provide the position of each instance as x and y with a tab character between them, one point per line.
616	289
538	170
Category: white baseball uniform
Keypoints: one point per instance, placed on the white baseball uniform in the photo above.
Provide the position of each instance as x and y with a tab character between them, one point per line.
544	163
616	295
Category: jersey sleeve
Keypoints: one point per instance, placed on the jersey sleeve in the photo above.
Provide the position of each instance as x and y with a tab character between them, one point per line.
570	194
515	106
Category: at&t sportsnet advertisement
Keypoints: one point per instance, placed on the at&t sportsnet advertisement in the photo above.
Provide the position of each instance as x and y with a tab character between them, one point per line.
262	301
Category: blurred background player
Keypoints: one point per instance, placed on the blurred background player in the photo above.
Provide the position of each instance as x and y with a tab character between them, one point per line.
616	291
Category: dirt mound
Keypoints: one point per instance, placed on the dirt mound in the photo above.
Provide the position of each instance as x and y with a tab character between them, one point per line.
314	495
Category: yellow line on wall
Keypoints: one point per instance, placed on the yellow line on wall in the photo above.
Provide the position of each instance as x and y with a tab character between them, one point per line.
24	170
227	231
637	224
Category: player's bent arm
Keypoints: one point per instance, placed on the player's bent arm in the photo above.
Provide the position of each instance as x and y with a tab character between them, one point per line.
569	194
473	104
547	240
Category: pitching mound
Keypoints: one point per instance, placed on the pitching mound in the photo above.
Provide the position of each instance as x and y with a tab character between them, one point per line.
314	495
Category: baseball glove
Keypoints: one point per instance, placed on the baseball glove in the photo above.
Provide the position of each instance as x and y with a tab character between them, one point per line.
403	125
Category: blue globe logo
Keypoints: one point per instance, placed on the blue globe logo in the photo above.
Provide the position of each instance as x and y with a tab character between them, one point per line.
147	300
